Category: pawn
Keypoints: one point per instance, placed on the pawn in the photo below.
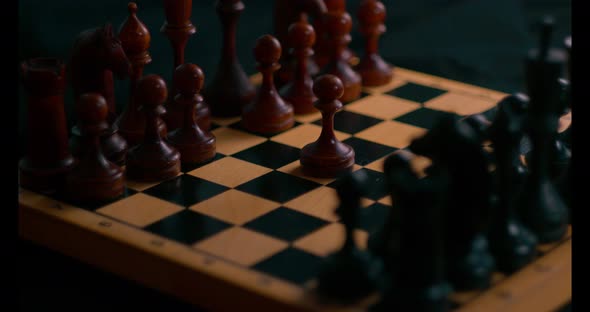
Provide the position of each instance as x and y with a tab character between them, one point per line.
95	178
327	157
153	159
268	113
194	144
338	25
299	92
350	273
372	68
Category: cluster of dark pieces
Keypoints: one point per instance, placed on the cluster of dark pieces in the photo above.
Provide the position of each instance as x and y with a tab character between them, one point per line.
474	212
165	126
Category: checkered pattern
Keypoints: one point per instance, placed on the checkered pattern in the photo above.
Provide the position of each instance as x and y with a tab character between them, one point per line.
253	206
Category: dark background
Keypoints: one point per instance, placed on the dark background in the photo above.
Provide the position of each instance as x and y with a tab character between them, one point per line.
482	42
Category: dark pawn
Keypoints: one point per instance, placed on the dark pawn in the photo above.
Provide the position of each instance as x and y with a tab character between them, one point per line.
372	68
327	157
541	207
349	274
417	269
512	244
194	144
47	159
457	147
338	25
268	113
230	88
94	179
153	159
299	92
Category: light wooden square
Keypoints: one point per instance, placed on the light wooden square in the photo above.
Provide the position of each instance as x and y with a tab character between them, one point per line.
392	133
235	207
230	141
321	203
304	134
230	171
394	83
140	209
461	104
329	239
386	200
382	106
242	246
308	117
224	121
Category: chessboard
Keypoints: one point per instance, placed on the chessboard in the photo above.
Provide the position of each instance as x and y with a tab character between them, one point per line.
248	229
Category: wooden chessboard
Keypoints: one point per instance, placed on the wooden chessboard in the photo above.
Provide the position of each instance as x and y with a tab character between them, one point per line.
248	229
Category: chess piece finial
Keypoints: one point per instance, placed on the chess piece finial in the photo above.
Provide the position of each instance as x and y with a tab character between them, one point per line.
327	157
47	158
299	92
194	144
94	179
268	112
153	159
372	68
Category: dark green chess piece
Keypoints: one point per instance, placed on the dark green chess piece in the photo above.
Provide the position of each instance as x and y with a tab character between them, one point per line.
512	244
350	273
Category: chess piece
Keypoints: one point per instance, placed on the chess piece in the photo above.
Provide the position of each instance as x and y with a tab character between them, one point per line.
94	179
286	13
178	28
456	147
96	58
337	29
327	157
135	39
541	207
268	113
512	244
416	271
372	68
47	159
230	88
299	92
350	273
193	144
323	48
153	159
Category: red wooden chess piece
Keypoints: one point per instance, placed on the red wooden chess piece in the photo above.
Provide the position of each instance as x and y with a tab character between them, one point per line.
288	12
230	88
47	159
268	113
372	68
338	25
135	39
323	48
98	56
299	92
194	144
153	159
94	179
178	28
327	157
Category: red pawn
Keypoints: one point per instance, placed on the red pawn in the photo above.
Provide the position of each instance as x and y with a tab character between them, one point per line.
372	68
327	157
195	144
268	113
153	159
